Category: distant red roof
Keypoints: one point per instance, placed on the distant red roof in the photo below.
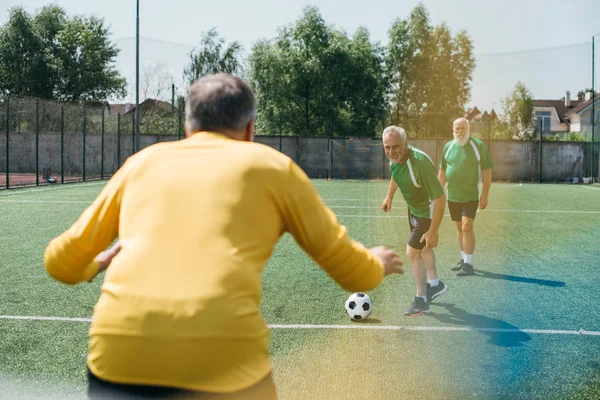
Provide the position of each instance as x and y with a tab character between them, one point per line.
128	107
120	108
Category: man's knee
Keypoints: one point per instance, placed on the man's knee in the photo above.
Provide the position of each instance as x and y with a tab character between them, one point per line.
459	227
412	254
467	225
427	252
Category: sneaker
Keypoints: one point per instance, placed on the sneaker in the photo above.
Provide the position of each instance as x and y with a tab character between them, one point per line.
435	291
466	270
418	307
458	265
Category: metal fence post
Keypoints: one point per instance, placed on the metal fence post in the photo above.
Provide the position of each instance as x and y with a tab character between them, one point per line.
133	134
84	128
62	143
118	140
102	148
7	131
331	156
179	125
383	162
541	140
37	142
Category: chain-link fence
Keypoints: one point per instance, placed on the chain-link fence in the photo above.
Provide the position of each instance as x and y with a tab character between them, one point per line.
47	142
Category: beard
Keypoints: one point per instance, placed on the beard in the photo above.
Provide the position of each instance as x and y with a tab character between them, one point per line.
461	141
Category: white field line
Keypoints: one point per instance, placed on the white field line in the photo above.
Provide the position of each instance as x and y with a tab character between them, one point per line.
493	210
357	326
334	206
372	200
543	211
61	187
47	201
590	187
373	216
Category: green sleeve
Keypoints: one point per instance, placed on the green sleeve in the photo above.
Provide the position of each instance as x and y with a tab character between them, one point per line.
443	158
429	180
486	159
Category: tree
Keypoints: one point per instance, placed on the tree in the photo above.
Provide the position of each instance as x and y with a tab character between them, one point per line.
53	56
518	111
85	62
430	73
366	86
212	56
313	80
156	90
24	69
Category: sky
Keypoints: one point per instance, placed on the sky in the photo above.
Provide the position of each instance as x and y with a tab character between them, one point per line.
546	44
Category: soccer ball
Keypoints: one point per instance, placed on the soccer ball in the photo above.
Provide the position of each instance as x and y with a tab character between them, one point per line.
359	306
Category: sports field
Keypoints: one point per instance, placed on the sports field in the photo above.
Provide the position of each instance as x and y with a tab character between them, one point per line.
526	326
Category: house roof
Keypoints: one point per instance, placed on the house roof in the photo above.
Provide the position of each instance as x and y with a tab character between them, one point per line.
156	103
559	105
580	107
129	107
472	113
120	108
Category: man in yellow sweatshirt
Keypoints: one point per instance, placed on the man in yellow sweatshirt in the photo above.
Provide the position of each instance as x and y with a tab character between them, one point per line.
197	220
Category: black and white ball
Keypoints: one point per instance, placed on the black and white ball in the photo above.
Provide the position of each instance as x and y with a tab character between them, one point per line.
359	306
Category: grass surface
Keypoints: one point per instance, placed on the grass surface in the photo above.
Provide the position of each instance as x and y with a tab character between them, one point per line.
536	262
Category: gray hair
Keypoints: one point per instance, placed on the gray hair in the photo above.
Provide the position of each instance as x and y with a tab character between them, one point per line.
219	102
466	121
394	130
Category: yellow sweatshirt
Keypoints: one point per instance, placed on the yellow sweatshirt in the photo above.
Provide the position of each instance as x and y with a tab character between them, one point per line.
197	220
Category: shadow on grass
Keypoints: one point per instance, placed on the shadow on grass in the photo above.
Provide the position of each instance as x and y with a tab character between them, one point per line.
514	278
500	333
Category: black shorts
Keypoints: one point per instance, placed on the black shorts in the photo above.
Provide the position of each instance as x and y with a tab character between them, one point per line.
418	227
99	389
459	210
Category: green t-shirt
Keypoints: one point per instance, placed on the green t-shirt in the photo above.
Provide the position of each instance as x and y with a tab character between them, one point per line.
463	166
418	182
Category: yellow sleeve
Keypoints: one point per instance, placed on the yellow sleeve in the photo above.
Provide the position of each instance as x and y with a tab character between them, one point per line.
69	258
317	231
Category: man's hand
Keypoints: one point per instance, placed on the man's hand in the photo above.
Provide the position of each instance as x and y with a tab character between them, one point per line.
387	204
431	239
483	201
391	260
105	258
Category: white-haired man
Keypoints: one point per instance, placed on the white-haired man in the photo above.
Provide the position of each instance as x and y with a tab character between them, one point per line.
466	167
414	173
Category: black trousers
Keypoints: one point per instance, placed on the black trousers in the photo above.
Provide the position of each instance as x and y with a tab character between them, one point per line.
99	389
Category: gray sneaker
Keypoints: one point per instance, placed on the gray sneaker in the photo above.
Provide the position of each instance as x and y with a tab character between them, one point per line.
435	291
466	270
418	307
458	266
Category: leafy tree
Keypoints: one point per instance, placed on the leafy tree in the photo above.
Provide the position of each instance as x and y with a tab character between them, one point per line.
518	111
84	62
53	56
212	56
23	67
314	80
430	73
